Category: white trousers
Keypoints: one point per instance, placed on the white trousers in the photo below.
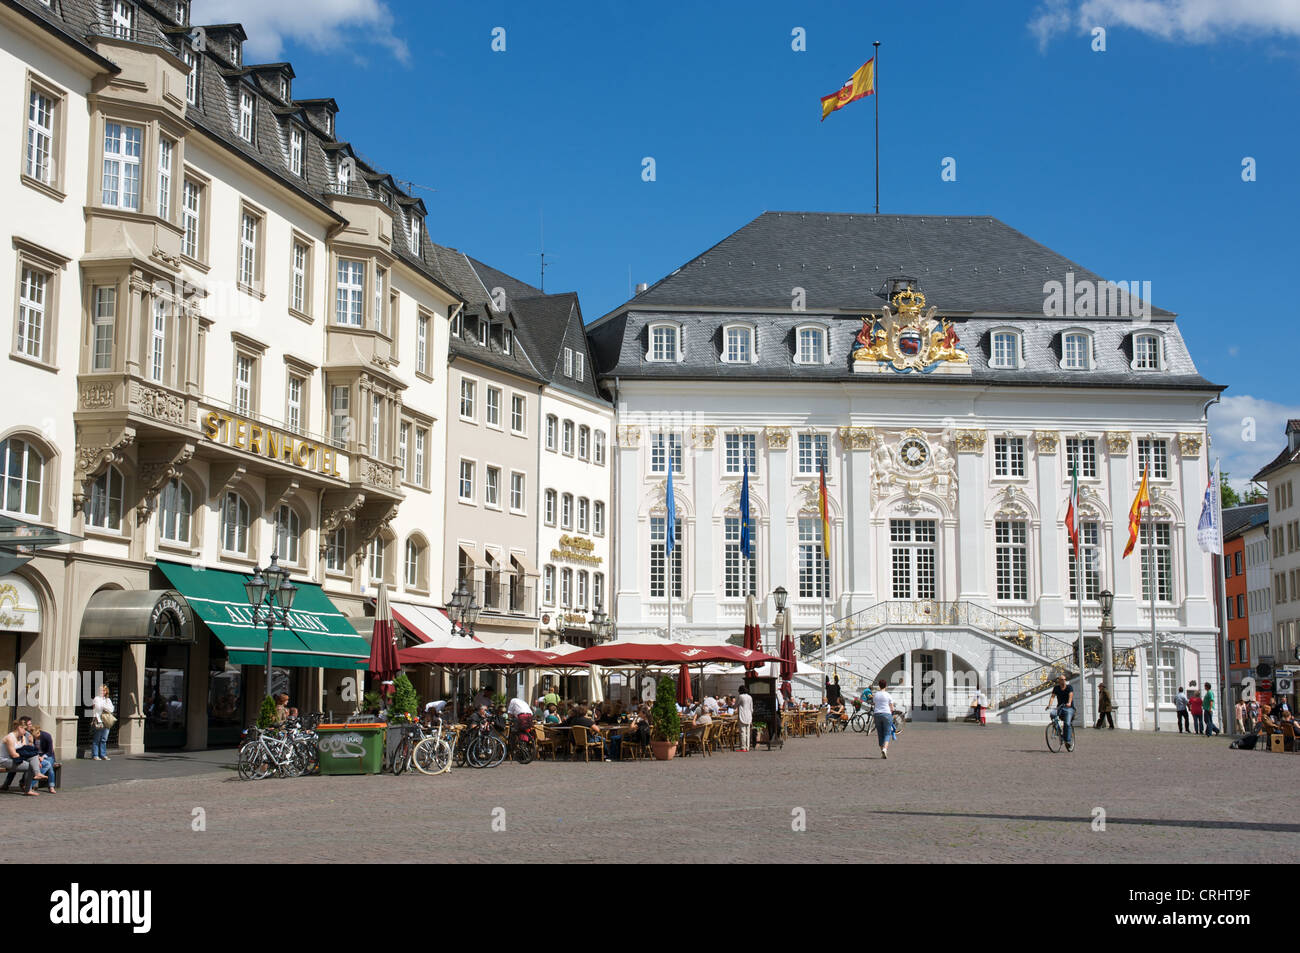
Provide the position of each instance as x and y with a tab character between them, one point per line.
745	727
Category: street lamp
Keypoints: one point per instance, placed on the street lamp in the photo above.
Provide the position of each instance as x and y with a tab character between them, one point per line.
271	593
1107	600
780	595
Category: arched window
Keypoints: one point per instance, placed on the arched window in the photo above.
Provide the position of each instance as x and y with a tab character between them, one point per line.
548	586
738	344
174	511
336	553
810	345
375	560
566	511
1146	352
287	532
235	515
413	570
1005	350
1076	351
22	470
665	343
104	508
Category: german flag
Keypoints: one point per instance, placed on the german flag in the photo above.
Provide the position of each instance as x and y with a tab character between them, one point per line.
825	513
1140	502
861	83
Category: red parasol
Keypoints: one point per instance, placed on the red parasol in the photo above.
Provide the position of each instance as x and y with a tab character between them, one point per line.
659	653
753	638
684	686
383	664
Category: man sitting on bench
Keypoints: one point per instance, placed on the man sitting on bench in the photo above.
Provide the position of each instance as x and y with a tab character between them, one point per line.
44	741
18	754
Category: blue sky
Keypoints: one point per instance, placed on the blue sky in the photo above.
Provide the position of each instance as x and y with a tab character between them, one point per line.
1129	160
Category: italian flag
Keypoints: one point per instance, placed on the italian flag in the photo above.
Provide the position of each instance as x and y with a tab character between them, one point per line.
1072	514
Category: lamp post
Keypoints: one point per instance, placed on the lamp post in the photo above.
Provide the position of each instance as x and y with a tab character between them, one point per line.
1107	600
271	593
779	597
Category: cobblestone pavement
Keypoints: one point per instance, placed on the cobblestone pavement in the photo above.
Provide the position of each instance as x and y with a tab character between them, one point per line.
947	793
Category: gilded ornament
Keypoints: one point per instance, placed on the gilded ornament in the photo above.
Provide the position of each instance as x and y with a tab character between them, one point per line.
1047	441
1189	444
1117	444
969	441
778	438
910	339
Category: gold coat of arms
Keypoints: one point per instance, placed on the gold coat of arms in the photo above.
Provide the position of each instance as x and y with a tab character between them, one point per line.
908	338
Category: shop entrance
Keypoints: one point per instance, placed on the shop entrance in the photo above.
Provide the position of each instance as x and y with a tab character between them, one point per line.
165	691
95	661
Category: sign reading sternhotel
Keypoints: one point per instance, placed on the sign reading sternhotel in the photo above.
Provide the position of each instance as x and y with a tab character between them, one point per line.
266	441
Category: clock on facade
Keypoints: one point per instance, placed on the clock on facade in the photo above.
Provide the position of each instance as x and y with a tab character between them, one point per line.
914	453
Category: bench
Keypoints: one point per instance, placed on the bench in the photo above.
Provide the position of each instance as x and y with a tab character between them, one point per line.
58	778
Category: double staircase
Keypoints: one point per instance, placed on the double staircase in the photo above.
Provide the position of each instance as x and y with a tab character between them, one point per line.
1048	655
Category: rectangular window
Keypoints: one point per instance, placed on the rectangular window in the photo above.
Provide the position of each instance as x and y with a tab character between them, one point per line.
350	288
403	457
598	518
663	343
105	315
912	556
414	234
1165	675
584	514
517	413
122	18
657	452
1147	357
1090	552
467	481
295	151
1005	350
582	589
421	442
467	399
1076	351
517	492
739	350
1156	453
158	341
584	442
508	341
599	456
659	559
243	384
381	277
293	414
245	116
494	406
566	437
340	417
190	204
811	348
579	365
548	507
814	450
422	344
740	575
1236	559
1009	456
741	452
165	147
192	77
1081	452
1012	561
298	295
566	511
248	250
1163	560
376	416
566	587
121	184
33	292
548	586
492	486
812	558
40	137
552	425
568	362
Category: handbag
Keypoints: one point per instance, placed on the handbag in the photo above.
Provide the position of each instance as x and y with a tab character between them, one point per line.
27	751
107	719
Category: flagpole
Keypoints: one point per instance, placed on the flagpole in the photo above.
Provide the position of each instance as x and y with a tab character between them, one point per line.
875	81
1155	638
1078	572
1225	702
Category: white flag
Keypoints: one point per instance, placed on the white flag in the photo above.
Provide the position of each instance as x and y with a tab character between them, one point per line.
1209	530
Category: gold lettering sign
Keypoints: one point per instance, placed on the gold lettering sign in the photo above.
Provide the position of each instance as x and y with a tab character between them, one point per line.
576	549
273	444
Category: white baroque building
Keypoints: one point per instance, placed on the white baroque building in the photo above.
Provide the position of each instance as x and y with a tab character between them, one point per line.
947	431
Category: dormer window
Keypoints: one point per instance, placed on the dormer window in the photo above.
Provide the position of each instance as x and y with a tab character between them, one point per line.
810	346
182	13
345	174
738	344
245	116
1005	350
234	51
1146	352
455	325
296	143
414	229
329	124
482	332
665	343
1076	351
284	88
508	341
123	19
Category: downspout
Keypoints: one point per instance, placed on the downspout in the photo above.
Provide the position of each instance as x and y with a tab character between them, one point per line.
1220	584
615	512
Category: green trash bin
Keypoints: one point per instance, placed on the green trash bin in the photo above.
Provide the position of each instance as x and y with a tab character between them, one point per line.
351	749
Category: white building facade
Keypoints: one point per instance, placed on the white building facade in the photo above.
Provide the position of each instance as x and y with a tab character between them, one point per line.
947	460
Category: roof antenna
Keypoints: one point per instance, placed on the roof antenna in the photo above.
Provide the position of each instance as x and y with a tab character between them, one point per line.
541	216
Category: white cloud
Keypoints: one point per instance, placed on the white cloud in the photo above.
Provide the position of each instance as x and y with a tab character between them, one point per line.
1179	21
322	25
1247	433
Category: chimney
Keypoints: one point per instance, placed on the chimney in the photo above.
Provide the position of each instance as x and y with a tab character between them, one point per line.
641	287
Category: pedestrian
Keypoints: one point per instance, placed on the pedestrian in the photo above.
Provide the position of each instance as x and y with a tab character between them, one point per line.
1180	703
1197	712
1207	703
744	716
833	692
1239	709
1104	707
102	721
882	709
1252	714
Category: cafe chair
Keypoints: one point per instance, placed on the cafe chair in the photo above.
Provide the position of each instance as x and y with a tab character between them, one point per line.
543	743
698	739
582	740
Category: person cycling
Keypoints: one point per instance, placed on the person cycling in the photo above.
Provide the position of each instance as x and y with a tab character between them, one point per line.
1063	697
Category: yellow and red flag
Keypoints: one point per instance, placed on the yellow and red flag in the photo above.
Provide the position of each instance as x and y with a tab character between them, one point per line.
861	83
825	513
1140	502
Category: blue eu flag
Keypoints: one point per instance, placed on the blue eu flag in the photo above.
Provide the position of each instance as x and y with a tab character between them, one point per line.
746	522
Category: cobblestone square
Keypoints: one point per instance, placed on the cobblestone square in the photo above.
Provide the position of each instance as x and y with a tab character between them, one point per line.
947	794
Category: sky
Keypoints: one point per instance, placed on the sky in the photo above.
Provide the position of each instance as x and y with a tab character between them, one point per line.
626	138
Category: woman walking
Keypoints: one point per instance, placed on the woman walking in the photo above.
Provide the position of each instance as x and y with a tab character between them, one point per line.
882	708
101	722
1104	707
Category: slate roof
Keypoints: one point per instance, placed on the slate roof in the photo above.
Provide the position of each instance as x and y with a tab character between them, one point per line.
979	272
1238	519
216	112
1283	459
964	264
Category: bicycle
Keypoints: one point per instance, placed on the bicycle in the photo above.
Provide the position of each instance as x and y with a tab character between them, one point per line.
433	753
520	741
264	753
404	752
1056	736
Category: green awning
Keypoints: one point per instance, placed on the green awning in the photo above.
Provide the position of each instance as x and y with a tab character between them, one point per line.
319	636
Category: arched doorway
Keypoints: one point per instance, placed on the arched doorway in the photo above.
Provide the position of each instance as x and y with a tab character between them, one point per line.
934	684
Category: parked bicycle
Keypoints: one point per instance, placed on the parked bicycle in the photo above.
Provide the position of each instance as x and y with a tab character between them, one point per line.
433	753
265	753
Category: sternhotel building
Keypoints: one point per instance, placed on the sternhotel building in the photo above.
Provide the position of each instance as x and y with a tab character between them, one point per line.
227	339
947	372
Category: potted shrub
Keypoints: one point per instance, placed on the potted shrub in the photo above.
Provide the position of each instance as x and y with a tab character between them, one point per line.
405	705
266	716
665	723
760	732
